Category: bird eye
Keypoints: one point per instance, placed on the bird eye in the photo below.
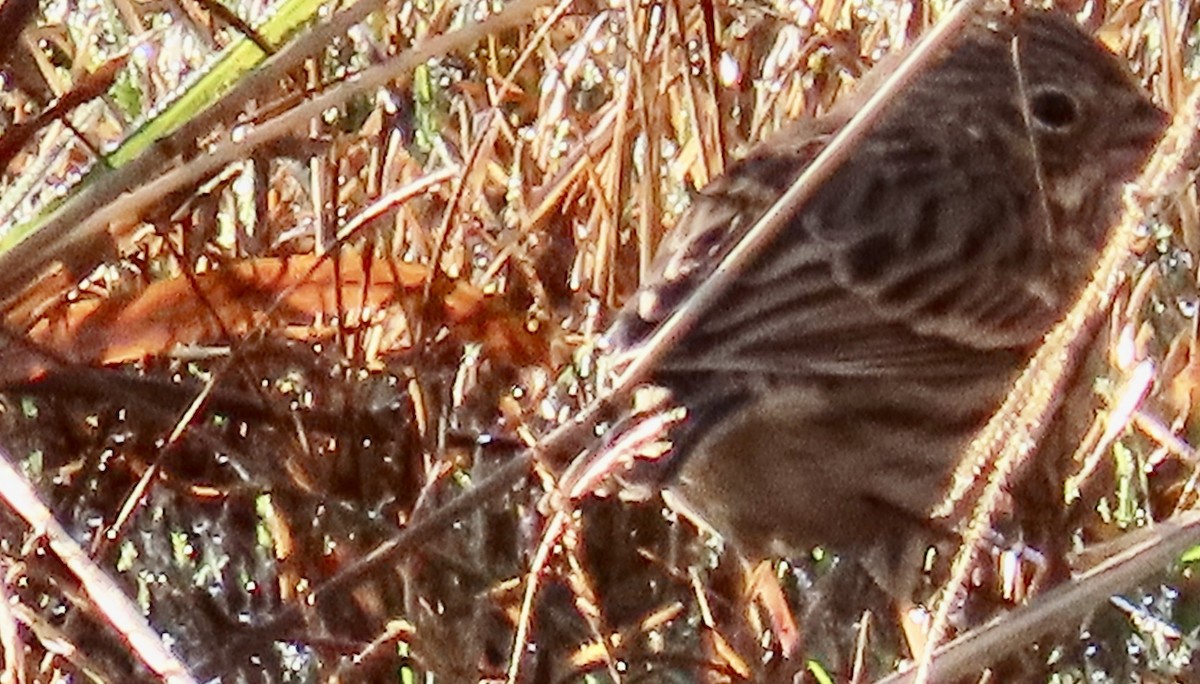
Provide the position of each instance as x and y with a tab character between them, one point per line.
1054	109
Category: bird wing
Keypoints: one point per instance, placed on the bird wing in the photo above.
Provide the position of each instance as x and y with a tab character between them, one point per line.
883	277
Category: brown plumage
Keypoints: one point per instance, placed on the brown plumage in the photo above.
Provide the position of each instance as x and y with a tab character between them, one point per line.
832	388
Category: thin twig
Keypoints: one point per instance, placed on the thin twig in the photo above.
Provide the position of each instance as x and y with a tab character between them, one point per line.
777	218
110	601
1061	607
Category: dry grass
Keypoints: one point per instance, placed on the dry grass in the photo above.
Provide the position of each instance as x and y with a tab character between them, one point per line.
241	362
